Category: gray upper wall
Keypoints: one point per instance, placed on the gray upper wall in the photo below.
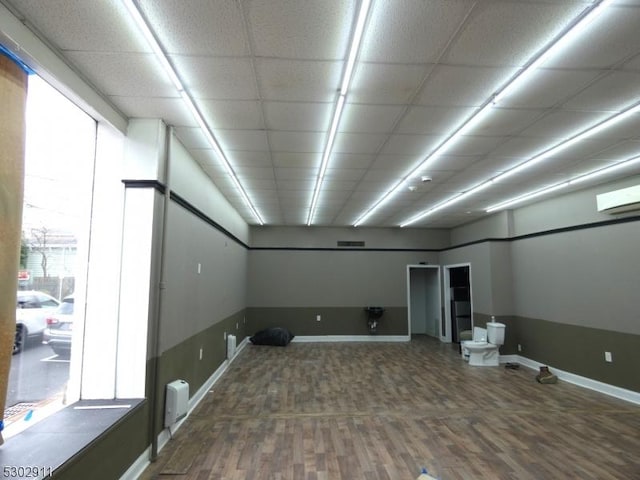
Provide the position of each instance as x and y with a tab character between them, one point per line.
572	209
327	237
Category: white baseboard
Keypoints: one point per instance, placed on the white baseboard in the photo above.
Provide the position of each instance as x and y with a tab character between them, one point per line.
141	463
351	338
611	390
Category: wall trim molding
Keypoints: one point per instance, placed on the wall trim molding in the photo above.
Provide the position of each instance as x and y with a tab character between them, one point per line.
601	387
350	338
161	188
142	462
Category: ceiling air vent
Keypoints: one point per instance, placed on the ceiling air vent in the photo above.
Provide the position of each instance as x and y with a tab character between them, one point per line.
350	243
619	201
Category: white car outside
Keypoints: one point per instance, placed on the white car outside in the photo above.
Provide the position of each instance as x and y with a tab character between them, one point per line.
32	310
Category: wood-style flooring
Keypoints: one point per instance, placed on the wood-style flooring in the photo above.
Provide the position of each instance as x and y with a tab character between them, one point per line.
382	411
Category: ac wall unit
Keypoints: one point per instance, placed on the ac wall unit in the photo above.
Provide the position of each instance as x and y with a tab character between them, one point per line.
619	201
231	346
177	402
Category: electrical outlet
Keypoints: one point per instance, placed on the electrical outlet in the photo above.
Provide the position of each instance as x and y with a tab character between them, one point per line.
225	336
199	268
200	353
519	347
237	325
608	357
318	318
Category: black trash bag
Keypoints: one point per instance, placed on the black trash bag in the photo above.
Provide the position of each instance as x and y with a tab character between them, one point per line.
275	336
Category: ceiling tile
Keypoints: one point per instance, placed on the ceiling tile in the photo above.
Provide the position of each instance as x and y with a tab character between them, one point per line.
380	84
358	143
506	121
192	137
125	74
433	120
248	158
418	145
301	142
206	27
609	41
350	160
85	26
297	160
172	110
416	33
217	78
248	140
300	30
290	116
232	114
462	86
615	92
296	173
546	88
298	80
369	118
562	125
509	33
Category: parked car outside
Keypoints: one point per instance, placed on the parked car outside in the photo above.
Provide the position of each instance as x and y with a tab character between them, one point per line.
59	328
32	309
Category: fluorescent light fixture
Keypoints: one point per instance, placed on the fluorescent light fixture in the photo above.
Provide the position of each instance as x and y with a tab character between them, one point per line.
526	196
335	123
154	44
188	100
557	46
325	158
562	43
447	203
581	178
355	46
605	170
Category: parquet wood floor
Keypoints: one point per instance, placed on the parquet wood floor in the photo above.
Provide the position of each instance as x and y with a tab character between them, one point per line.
381	411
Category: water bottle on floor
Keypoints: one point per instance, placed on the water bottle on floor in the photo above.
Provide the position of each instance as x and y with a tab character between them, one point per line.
425	475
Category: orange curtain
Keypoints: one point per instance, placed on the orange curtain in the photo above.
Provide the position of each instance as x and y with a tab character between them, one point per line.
13	97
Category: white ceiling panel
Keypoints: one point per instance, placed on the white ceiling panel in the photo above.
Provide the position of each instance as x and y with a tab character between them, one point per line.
266	74
300	30
547	88
302	142
84	26
416	145
433	120
124	74
369	118
172	110
463	86
297	160
217	78
251	140
416	33
303	117
232	114
610	42
613	93
298	80
358	143
205	27
509	33
381	84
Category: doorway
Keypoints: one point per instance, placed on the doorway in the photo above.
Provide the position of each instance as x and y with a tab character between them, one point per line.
424	300
458	309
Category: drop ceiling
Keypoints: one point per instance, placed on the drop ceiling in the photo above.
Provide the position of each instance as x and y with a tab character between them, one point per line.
266	74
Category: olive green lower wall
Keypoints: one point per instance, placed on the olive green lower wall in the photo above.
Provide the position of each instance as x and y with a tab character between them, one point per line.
183	360
572	348
334	320
580	350
110	456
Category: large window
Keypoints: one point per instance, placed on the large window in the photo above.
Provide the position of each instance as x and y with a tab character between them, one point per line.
59	162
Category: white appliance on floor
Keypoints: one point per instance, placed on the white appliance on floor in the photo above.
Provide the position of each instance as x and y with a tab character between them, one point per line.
483	349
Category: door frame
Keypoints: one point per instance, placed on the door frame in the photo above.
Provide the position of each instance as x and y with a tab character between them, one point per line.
446	278
424	266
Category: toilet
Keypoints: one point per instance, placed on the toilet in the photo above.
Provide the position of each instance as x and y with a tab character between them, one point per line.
482	351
